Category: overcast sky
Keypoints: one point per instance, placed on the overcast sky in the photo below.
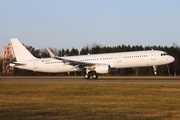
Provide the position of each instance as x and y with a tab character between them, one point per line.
77	23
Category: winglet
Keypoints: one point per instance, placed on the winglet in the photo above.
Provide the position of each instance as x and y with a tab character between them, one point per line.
51	53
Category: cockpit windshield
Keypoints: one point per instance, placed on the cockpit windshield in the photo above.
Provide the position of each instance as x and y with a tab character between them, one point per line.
164	54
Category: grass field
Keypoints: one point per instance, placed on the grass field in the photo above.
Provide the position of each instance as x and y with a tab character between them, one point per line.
89	100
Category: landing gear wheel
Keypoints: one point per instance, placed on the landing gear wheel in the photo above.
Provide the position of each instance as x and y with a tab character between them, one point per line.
86	76
94	76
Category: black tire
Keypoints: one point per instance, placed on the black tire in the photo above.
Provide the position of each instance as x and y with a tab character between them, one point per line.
94	76
86	76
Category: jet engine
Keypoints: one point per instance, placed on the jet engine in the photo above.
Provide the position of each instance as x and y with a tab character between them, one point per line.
106	69
102	69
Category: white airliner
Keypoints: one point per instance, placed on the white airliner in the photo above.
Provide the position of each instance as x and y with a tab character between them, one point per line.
92	65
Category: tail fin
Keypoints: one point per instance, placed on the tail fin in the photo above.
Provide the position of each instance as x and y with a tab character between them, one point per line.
20	51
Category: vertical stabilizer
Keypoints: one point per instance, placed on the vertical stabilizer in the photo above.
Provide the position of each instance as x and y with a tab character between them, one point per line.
20	51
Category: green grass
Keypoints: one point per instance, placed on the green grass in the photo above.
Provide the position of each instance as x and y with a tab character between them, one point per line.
86	100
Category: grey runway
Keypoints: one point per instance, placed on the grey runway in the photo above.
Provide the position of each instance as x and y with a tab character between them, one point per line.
81	79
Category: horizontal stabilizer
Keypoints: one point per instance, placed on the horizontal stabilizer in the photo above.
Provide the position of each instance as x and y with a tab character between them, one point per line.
17	64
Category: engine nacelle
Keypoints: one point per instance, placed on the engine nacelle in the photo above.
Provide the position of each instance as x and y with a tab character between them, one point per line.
102	69
106	69
114	71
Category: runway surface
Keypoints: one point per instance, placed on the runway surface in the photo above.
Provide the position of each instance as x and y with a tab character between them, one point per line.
81	79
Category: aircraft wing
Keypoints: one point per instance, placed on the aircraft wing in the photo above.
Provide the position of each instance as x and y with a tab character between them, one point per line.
76	63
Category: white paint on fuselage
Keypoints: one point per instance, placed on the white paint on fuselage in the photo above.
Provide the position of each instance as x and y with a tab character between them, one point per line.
115	60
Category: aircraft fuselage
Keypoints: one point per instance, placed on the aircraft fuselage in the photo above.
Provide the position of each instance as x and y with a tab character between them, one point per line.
115	60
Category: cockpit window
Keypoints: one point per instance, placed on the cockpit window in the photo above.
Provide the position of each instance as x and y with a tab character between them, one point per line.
164	54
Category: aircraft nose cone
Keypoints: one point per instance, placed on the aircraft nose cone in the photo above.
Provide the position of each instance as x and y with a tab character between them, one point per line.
171	59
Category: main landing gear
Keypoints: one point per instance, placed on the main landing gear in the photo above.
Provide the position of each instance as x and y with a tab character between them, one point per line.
94	75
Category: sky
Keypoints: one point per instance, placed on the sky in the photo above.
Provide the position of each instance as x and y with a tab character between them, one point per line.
78	23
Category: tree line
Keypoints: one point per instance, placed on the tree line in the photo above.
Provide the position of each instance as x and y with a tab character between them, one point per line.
172	69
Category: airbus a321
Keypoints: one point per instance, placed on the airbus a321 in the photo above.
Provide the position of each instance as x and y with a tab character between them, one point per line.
92	65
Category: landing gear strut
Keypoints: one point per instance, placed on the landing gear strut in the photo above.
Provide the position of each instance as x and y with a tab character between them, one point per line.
155	69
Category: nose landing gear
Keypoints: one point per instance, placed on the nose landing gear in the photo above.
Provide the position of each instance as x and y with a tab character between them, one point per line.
155	69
